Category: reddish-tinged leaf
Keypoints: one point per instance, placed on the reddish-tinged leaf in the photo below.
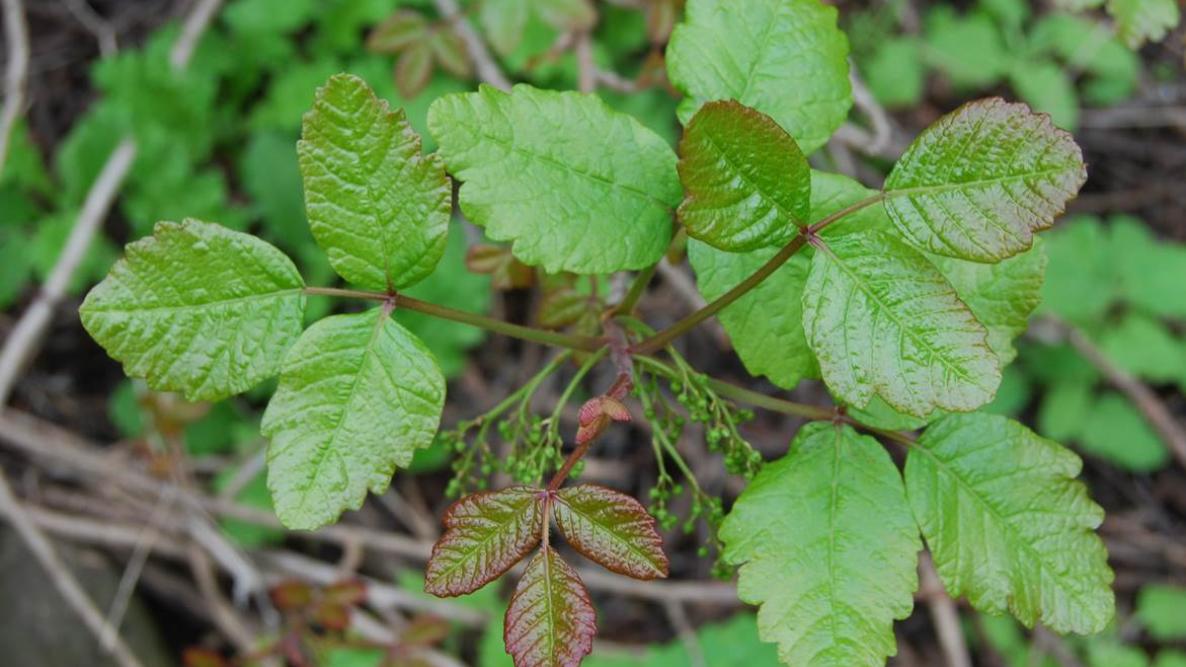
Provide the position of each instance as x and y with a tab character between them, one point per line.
201	657
450	52
550	621
425	631
612	529
351	592
505	271
398	32
562	307
291	594
413	69
332	616
485	534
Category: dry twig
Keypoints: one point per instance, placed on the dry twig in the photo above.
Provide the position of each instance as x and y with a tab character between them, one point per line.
944	615
485	64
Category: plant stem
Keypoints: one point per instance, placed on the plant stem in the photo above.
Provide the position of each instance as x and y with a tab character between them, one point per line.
664	337
583	343
566	469
641	280
816	227
764	401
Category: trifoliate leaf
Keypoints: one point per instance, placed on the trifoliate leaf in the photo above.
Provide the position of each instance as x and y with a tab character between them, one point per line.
883	321
746	183
550	621
1159	608
612	529
378	207
980	181
1007	523
1001	296
198	309
1115	431
1138	21
785	58
560	174
357	397
485	534
766	325
829	549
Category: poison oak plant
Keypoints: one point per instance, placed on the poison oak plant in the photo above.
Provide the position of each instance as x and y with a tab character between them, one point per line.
904	300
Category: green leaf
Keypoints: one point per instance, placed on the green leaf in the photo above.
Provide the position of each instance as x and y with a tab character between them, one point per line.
1150	272
981	180
1047	87
269	172
550	621
1159	608
1007	523
785	58
1144	347
357	397
969	50
895	72
747	184
1081	281
766	325
1001	296
379	208
198	309
1138	21
485	534
611	529
1065	410
559	173
1111	653
1168	658
15	265
828	547
883	321
1116	431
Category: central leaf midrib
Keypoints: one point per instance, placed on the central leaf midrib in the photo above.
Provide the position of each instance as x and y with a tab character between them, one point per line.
748	181
333	437
892	316
892	192
612	534
1025	545
514	147
196	306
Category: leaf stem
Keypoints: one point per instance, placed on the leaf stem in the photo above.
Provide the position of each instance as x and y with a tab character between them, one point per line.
664	337
532	334
816	227
641	280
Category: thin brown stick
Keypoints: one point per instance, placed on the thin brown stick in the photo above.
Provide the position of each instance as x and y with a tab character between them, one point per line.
944	615
485	64
16	33
63	580
1152	407
27	336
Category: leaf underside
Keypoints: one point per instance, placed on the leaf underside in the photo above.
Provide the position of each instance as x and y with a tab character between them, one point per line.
746	182
785	58
550	621
377	206
1008	524
485	534
198	309
611	529
828	547
358	395
980	181
883	321
559	174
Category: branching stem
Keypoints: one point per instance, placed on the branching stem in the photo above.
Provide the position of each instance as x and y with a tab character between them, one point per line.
583	343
